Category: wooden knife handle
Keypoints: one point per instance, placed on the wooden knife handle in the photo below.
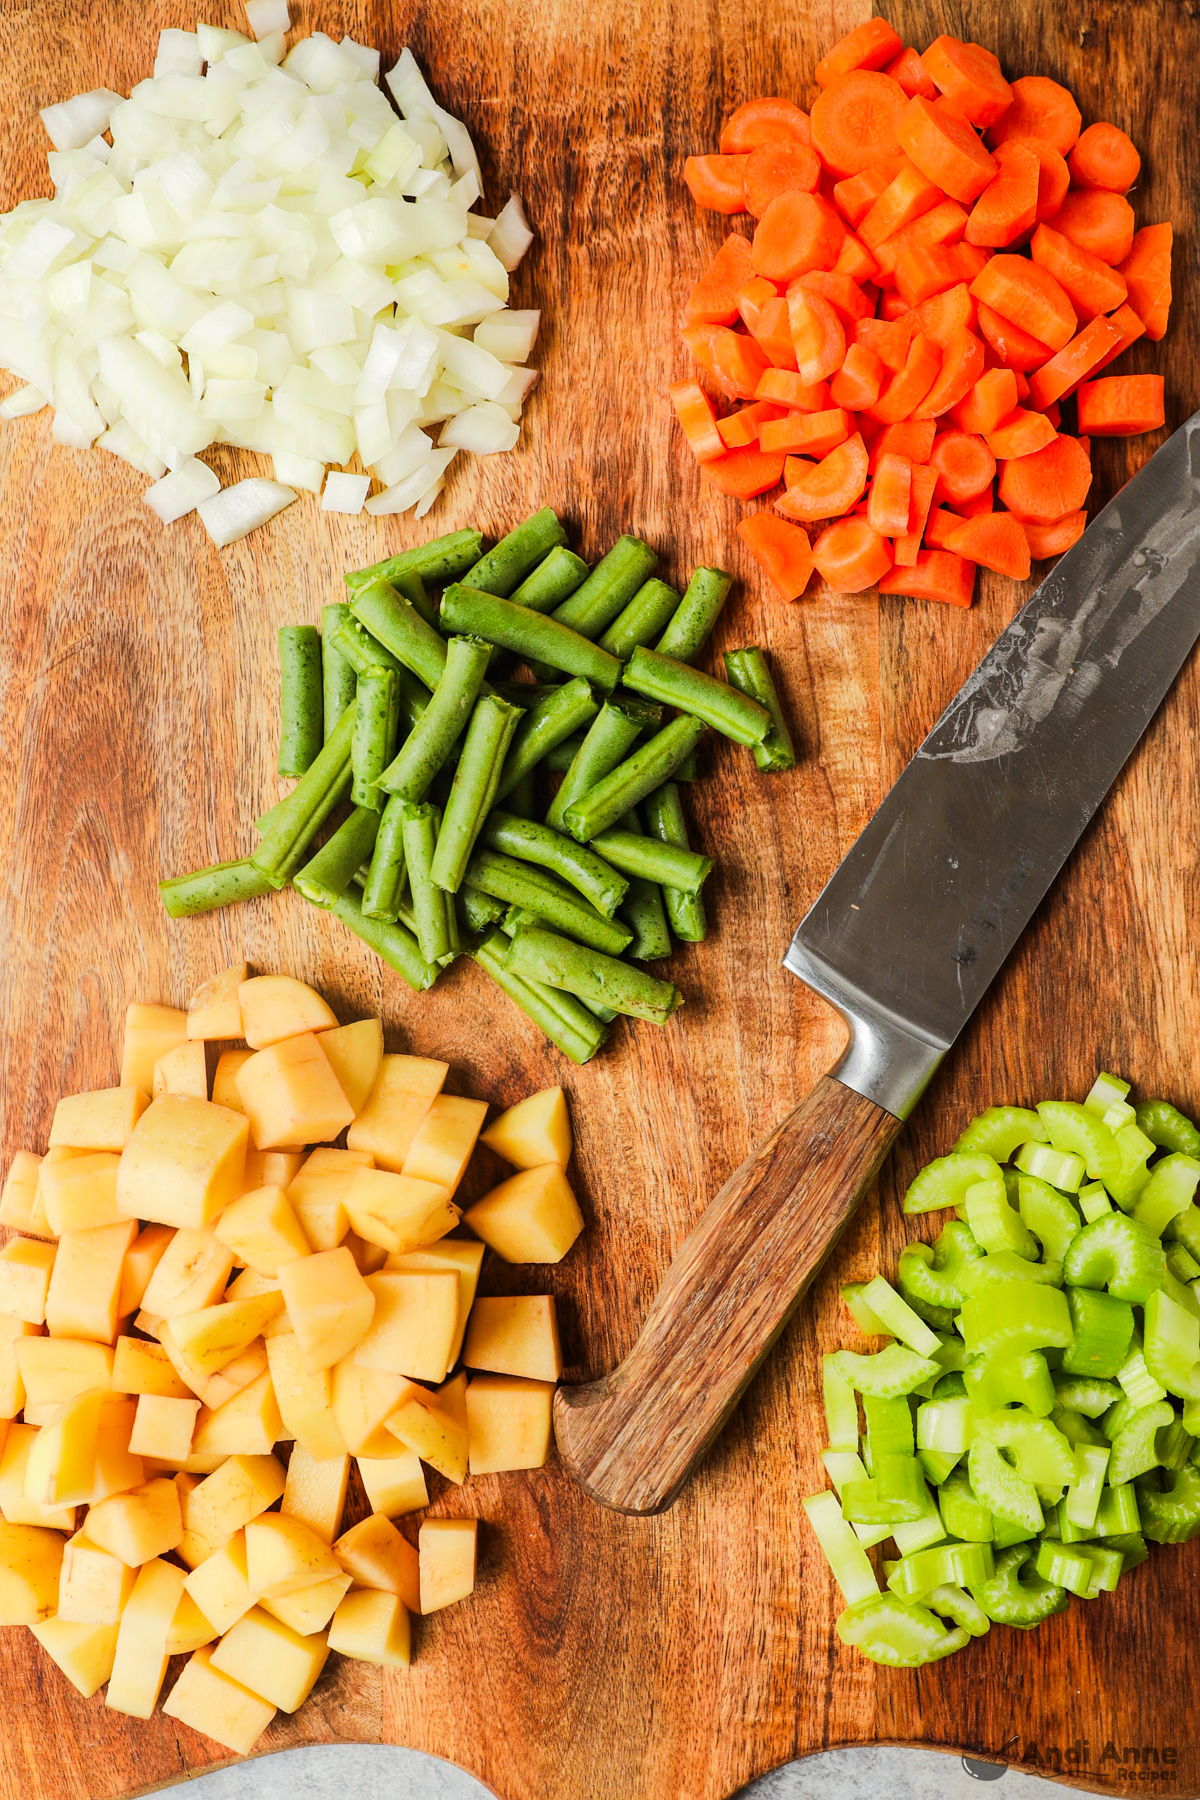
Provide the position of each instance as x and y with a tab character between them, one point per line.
632	1439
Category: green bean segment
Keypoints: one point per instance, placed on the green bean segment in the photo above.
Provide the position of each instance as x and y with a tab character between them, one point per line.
593	877
301	701
749	673
697	613
507	564
442	723
556	576
329	873
609	588
204	890
546	898
654	604
541	955
611	736
663	812
675	683
552	720
563	1018
631	781
473	792
441	560
528	633
383	889
300	817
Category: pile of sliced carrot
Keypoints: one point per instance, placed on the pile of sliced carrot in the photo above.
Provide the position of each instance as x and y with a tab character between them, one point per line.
942	263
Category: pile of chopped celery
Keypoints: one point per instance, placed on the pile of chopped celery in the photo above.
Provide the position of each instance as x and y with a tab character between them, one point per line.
1034	1419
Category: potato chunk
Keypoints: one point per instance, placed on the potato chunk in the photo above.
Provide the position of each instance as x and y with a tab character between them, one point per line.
515	1334
329	1305
510	1423
214	1010
533	1132
403	1093
291	1095
216	1705
185	1161
532	1217
447	1561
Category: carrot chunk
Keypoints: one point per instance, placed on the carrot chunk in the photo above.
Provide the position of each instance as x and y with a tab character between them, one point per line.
906	197
783	550
1099	222
737	429
856	194
935	575
1085	352
851	556
909	437
1040	108
1105	157
1027	294
1007	208
1053	539
818	334
753	293
942	224
970	78
714	299
732	360
965	465
844	295
772	332
911	73
891	492
855	260
1054	481
992	398
996	540
790	389
858	382
906	546
797	232
1054	177
693	409
1121	405
830	487
769	120
945	149
808	434
889	340
1020	434
869	46
923	272
943	314
905	391
1126	321
744	473
1017	349
854	121
1090	285
962	365
775	169
1147	270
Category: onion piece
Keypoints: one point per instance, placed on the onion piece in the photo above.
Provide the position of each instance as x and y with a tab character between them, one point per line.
485	429
71	123
182	490
268	16
21	402
242	508
511	237
345	493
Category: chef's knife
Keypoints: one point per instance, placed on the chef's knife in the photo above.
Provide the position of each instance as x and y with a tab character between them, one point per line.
904	941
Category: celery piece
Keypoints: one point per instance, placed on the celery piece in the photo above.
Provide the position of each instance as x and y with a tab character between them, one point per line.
1132	1546
1118	1253
1107	1090
1120	1114
999	1487
1103	1329
1083	1495
1108	1565
888	1374
1016	1315
1136	1382
953	1602
1044	1456
896	1632
1185	1229
899	1319
994	1223
963	1516
852	1293
1118	1511
1008	1377
1172	1349
950	1386
1076	1429
845	1555
889	1426
1093	1201
900	1486
1181	1263
1075	1130
841	1408
1136	1150
1009	1600
945	1425
1062	1169
1065	1566
944	1182
1174	1444
1006	1265
1050	1216
919	1572
927	1274
1001	1130
1133	1449
1087	1394
938	1464
1168	1127
844	1466
1170	1506
1169	1192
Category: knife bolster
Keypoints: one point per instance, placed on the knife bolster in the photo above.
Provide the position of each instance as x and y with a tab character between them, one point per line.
885	1060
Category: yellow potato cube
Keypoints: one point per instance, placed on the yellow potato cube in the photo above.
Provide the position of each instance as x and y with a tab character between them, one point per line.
272	1168
212	1336
224	1086
316	1492
447	1561
194	1545
532	1217
534	1132
308	1609
318	1190
141	1368
291	1095
362	1399
284	1554
191	1274
355	1053
85	1283
464	1256
271	1659
84	1653
445	1139
30	1561
379	1556
141	1659
510	1423
94	1585
263	1231
190	1630
249	1285
56	1369
18	1202
184	1163
117	1468
219	1586
14	1506
237	1492
150	1032
214	1010
435	1425
25	1267
515	1334
394	1484
218	1707
368	1258
183	1070
247	1425
304	1399
164	1428
413	1327
81	1193
275	1007
139	1525
328	1303
12	1385
61	1467
103	1120
246	1367
142	1258
403	1093
372	1626
398	1212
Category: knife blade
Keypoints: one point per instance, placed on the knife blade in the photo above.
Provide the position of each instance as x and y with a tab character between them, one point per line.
904	940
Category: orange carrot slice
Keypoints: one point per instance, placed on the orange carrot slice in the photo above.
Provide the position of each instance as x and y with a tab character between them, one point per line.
1027	294
769	120
714	299
1090	285
818	334
912	438
992	398
744	473
737	429
855	260
753	293
808	434
970	78
1099	222
1020	434
944	148
906	197
851	556
942	224
854	121
1087	351
1147	270
943	314
856	194
1054	178
996	540
717	182
1052	540
791	390
1040	108
965	465
1105	157
772	332
693	409
1007	208
905	391
783	550
891	492
924	484
869	46
1016	349
796	233
845	296
911	73
858	382
1121	405
775	169
935	575
942	521
921	273
1054	481
889	341
1126	321
829	488
732	360
962	365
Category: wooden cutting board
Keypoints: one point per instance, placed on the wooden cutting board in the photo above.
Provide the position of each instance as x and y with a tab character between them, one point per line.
602	1657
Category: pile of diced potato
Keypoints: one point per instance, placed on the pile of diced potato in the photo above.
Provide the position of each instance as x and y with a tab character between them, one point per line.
145	1386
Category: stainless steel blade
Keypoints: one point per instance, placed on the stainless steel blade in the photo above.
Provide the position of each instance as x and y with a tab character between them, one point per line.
916	921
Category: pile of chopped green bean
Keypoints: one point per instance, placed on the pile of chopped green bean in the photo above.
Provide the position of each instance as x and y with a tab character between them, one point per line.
1035	1418
407	710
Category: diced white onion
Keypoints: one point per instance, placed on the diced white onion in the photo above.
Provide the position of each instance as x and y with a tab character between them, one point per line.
71	123
178	53
240	509
484	429
344	493
21	402
511	237
298	471
182	490
510	337
267	16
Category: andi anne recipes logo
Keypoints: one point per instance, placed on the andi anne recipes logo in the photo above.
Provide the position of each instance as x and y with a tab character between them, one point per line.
1090	1756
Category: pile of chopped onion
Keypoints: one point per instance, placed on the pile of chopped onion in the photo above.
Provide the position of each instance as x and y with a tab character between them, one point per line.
265	255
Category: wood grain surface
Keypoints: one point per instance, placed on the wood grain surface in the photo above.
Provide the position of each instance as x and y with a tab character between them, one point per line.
602	1656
